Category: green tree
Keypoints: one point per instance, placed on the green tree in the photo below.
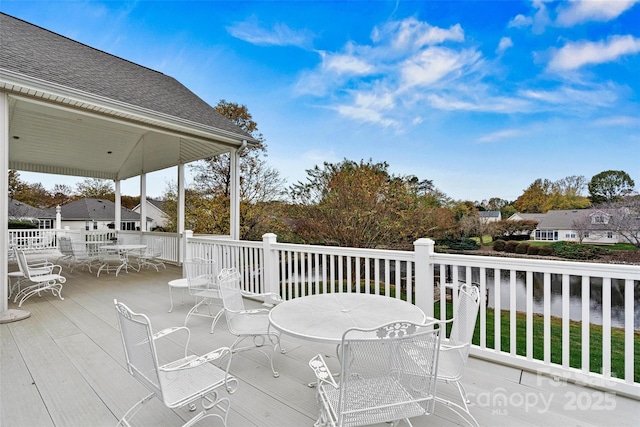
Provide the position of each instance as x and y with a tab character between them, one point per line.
610	186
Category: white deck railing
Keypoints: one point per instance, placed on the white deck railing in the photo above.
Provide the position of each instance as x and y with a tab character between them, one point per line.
523	325
543	322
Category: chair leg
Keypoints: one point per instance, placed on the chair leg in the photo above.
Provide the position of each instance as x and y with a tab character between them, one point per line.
133	411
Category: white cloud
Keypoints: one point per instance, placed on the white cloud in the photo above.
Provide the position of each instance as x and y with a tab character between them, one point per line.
576	55
433	64
579	11
504	44
411	34
618	121
488	104
346	64
279	35
565	97
520	21
500	135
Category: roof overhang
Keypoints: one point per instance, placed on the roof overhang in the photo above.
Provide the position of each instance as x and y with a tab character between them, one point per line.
60	130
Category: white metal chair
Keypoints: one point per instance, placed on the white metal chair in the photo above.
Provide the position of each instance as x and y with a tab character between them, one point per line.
181	382
66	250
245	323
152	257
387	374
43	276
202	280
82	257
111	260
454	351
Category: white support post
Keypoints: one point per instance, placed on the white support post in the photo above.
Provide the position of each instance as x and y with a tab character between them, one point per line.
270	263
143	203
6	315
118	212
180	215
423	250
234	199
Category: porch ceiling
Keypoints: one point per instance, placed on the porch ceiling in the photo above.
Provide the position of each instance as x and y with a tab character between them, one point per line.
61	139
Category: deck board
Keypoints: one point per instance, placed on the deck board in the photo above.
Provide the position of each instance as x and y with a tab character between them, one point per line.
66	365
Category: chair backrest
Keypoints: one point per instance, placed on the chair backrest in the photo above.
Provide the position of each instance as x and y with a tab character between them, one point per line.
65	246
394	367
201	275
230	292
465	315
21	259
139	348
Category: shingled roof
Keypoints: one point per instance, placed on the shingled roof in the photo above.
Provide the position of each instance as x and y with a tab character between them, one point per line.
76	110
87	209
34	51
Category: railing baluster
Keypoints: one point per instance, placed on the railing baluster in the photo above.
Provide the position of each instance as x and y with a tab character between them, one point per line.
566	315
586	319
546	336
606	327
629	363
512	313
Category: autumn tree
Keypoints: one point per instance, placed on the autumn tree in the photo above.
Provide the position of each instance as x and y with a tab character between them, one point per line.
359	205
94	188
261	187
545	195
610	186
508	228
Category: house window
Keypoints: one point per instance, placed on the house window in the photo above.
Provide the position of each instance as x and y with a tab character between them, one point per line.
609	234
128	225
570	235
546	235
600	219
586	234
91	225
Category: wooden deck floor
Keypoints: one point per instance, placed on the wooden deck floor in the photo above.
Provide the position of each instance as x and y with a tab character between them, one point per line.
64	366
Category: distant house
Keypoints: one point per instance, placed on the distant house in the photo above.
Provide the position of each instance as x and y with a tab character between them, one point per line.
490	216
572	224
19	211
97	214
154	213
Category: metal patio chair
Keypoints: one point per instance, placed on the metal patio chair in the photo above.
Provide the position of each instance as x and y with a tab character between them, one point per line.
245	323
111	260
387	374
454	351
152	257
180	383
202	283
42	276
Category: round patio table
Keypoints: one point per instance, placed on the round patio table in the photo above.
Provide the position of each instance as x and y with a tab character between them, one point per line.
325	317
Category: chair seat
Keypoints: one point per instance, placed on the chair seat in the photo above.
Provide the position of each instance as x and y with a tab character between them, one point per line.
184	385
391	398
251	324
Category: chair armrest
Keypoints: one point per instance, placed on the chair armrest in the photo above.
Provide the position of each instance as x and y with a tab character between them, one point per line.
269	298
195	361
323	374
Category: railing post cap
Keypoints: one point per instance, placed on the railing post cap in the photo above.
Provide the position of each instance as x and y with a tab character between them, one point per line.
424	241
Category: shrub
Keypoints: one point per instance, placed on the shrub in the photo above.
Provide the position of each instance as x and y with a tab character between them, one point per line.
498	245
572	250
522	247
532	250
21	225
510	246
458	244
545	250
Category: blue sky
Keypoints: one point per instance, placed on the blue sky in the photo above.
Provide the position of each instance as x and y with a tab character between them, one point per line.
481	97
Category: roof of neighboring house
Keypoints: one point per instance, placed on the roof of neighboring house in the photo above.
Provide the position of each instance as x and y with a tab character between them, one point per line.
154	202
95	210
560	219
527	216
20	210
489	214
37	52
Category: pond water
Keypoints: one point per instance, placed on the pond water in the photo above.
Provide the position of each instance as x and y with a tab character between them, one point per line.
575	297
